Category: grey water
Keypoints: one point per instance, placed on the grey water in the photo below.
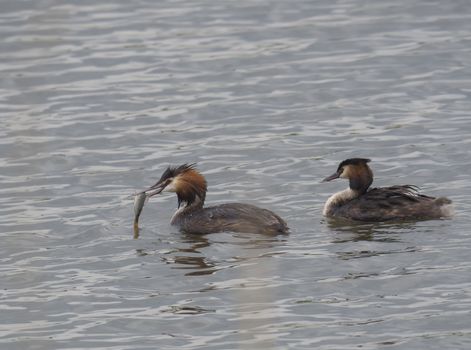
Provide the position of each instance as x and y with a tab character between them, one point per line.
98	98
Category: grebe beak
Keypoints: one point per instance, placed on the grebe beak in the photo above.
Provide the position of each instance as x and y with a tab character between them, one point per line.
156	189
331	177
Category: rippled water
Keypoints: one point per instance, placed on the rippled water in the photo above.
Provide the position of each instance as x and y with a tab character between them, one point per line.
96	99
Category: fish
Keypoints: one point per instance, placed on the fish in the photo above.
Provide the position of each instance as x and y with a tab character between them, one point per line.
139	201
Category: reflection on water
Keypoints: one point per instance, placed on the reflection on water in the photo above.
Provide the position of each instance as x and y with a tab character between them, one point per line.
369	253
189	252
347	230
187	310
200	263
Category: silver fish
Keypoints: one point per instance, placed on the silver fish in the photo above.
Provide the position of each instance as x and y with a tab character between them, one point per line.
139	201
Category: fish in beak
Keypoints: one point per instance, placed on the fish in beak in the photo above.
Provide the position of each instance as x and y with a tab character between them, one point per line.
140	200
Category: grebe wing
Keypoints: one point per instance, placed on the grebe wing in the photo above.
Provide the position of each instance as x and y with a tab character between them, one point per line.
238	217
398	192
389	203
247	212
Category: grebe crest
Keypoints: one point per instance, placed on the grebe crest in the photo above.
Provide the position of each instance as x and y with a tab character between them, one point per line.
189	185
359	202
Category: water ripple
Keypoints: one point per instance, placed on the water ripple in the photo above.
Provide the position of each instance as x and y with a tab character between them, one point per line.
97	99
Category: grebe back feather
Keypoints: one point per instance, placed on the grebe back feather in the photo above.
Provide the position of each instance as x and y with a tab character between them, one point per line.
380	204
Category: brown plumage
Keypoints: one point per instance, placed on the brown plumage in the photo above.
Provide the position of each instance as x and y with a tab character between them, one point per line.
192	217
359	202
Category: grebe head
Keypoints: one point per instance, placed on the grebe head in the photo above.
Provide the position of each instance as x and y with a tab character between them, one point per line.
189	185
357	171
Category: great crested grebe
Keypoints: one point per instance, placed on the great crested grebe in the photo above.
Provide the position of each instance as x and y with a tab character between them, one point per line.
193	217
380	204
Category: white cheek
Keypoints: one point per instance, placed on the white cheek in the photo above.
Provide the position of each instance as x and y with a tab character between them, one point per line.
170	187
345	173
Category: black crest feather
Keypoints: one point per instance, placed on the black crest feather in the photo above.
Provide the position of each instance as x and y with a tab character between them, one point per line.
173	171
353	161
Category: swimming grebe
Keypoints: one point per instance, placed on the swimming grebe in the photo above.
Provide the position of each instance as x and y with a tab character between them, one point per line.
192	217
379	204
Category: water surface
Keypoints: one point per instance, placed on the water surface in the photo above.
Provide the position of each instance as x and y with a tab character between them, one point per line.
96	99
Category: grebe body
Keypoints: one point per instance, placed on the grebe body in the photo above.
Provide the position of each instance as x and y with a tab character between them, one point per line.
192	217
400	202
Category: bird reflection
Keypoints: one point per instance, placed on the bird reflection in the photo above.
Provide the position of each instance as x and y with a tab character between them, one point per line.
250	267
189	253
350	231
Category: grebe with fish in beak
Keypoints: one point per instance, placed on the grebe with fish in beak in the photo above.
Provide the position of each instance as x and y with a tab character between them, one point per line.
193	217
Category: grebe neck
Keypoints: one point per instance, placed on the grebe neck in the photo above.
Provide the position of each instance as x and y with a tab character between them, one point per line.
186	208
340	198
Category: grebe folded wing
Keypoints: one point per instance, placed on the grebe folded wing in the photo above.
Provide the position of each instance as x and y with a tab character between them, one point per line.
389	203
236	217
